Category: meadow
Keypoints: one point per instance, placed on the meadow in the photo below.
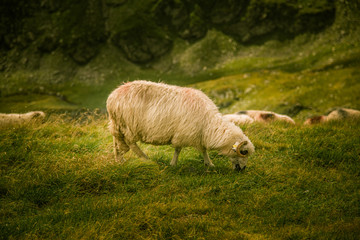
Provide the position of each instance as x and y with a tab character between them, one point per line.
60	181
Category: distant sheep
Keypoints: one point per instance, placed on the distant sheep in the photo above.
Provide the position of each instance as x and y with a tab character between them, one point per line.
15	120
338	114
162	114
266	116
238	119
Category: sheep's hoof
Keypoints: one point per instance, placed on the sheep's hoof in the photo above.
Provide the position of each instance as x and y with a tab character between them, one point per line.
211	165
120	160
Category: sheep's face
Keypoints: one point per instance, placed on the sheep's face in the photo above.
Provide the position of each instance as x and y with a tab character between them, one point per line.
314	120
37	116
240	153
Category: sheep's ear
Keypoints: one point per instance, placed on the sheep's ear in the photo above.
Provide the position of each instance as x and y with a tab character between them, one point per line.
267	116
36	115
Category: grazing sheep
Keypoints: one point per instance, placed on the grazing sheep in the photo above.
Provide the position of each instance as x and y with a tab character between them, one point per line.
337	114
15	120
238	119
266	116
162	114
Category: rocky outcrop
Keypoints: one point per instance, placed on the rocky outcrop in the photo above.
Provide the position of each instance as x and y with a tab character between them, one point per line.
181	18
280	21
145	30
142	44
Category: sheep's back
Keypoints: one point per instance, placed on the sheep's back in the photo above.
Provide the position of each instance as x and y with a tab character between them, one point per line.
160	113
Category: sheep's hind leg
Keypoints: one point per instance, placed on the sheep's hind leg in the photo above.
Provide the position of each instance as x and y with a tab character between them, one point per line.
135	148
120	148
176	156
207	160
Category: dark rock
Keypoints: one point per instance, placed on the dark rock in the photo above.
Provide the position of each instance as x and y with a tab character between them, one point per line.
115	3
223	12
79	28
195	28
313	21
12	22
83	30
181	18
47	44
141	45
271	20
51	5
260	20
83	51
172	13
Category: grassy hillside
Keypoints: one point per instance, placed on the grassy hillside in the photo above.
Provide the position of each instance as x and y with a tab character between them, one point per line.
60	181
34	78
305	59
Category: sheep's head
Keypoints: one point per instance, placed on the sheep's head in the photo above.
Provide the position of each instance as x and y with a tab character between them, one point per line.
240	153
314	120
37	116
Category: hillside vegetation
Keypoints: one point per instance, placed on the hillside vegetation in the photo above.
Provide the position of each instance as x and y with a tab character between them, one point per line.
290	37
59	180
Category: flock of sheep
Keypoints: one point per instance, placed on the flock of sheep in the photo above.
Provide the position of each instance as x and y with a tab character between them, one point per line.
162	114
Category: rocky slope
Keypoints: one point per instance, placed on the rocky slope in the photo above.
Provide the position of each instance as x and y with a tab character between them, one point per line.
66	54
145	30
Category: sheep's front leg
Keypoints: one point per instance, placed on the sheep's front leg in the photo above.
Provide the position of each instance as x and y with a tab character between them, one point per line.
207	160
176	156
120	148
135	148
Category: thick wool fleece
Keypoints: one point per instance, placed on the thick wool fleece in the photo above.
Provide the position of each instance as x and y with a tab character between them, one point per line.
160	114
14	119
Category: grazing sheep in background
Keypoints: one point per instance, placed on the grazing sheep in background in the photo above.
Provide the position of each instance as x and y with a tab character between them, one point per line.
266	116
337	114
162	114
15	120
238	119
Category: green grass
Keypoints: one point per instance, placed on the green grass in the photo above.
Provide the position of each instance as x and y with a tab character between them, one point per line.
60	181
315	91
213	57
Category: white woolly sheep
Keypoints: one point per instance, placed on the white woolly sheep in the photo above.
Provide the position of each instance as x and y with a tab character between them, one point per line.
15	120
162	114
335	115
266	116
238	119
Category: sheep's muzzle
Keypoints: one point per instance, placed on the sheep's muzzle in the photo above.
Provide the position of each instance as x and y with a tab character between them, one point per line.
238	168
